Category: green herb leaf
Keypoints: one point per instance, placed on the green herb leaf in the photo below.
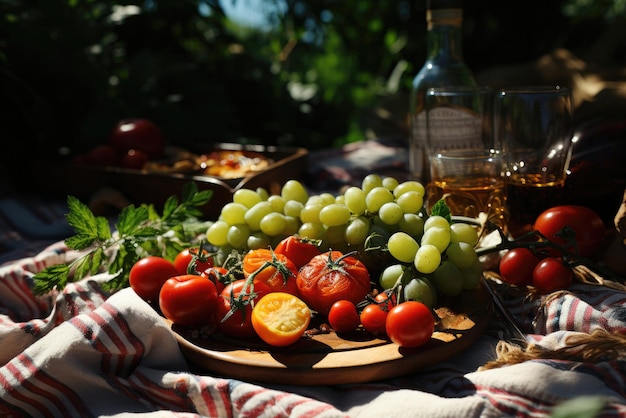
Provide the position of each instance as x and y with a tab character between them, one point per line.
441	209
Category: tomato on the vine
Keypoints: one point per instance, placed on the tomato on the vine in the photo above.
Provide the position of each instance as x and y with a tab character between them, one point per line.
184	259
275	270
148	274
517	265
240	298
280	318
587	225
330	277
551	274
410	324
374	318
217	275
188	300
344	316
298	249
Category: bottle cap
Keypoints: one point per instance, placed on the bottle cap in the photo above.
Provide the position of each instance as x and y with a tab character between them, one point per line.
444	4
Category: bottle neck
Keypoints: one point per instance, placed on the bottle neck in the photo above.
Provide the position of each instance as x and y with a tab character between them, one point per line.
444	35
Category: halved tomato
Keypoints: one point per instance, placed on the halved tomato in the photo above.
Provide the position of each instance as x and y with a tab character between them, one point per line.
280	318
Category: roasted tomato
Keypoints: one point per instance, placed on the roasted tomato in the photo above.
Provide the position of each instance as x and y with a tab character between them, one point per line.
330	277
234	307
189	300
298	249
275	270
148	274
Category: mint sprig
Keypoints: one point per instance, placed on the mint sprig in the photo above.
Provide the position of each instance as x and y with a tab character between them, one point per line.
140	231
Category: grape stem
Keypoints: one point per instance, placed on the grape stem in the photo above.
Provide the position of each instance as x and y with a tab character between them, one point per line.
536	241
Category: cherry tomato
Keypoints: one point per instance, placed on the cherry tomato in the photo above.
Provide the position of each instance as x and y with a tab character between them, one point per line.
551	275
275	270
343	316
517	265
587	225
138	134
374	318
410	324
330	277
386	300
188	300
134	159
148	274
184	259
298	249
280	319
239	323
217	275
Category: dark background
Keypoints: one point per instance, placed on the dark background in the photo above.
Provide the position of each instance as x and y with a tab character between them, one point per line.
313	78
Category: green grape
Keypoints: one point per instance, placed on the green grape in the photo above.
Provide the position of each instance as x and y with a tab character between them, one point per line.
246	197
312	230
277	202
334	214
273	224
427	259
410	185
402	247
293	208
294	190
355	200
261	191
335	234
436	221
341	199
357	230
256	213
462	232
327	198
217	233
390	275
447	279
258	240
315	200
472	275
437	236
371	181
417	289
311	212
410	201
292	224
233	213
237	235
390	213
377	197
390	183
412	224
461	254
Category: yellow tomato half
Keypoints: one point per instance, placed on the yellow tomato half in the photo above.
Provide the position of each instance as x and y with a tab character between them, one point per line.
280	318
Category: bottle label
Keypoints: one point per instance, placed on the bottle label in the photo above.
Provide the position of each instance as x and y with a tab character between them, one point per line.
452	128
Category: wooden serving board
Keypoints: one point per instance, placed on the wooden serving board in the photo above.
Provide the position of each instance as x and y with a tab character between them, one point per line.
330	359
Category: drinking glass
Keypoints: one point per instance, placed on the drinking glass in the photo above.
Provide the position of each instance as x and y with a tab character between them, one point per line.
534	127
466	169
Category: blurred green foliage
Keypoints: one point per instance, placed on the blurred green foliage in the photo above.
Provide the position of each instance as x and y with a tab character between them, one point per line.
70	69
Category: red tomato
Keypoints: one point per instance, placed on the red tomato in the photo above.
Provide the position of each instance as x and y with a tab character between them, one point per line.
585	223
138	134
148	274
330	277
239	323
517	265
410	324
551	275
374	318
217	275
101	156
298	249
386	300
343	316
134	159
184	259
275	270
188	300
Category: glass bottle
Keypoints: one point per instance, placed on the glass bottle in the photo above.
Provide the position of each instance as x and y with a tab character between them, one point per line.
444	66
